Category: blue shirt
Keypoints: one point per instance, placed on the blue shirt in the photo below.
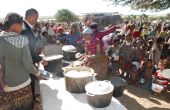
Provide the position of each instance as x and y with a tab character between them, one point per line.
74	39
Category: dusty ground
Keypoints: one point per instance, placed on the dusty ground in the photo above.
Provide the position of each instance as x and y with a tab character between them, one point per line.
136	98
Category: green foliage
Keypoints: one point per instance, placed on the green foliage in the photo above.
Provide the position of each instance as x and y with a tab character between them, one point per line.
143	5
65	15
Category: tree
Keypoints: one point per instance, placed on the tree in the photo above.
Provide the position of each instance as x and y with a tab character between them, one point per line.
154	5
65	15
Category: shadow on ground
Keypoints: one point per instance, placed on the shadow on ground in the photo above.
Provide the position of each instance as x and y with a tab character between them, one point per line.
53	100
132	104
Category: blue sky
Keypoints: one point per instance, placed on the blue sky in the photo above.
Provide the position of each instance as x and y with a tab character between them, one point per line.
50	7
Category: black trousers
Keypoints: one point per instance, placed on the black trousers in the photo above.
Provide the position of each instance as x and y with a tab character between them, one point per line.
33	78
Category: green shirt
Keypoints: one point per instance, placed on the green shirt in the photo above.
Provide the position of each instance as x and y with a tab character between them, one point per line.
17	63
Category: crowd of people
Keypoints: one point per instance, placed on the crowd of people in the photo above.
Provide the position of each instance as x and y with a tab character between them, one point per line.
135	50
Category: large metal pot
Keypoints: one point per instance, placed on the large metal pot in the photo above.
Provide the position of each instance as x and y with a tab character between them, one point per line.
77	77
54	64
69	52
99	93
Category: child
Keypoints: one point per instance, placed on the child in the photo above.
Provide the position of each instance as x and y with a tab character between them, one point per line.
137	51
61	36
146	71
113	53
155	53
126	55
134	72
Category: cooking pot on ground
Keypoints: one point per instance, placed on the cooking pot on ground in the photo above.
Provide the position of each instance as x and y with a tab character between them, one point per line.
119	85
99	93
77	77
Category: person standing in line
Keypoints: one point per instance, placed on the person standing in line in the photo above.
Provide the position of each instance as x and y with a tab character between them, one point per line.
16	65
31	17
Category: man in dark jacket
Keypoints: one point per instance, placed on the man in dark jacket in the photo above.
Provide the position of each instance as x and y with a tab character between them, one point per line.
31	17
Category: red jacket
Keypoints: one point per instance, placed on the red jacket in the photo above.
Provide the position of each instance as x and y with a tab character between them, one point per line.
100	34
136	34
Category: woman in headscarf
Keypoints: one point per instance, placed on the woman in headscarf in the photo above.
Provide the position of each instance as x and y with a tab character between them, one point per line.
16	63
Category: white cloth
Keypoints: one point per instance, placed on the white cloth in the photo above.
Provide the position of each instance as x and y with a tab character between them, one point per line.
55	97
106	39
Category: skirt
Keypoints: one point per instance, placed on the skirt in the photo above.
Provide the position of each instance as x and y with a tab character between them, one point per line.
100	66
21	99
1	89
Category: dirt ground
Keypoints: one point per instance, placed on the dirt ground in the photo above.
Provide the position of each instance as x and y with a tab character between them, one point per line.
136	98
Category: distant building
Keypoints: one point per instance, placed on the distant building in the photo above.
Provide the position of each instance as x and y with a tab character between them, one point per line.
105	18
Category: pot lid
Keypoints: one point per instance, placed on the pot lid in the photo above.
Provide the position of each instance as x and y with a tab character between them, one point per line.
78	74
99	87
69	48
53	57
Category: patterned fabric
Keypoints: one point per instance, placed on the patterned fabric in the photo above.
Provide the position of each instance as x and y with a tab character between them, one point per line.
1	89
17	100
91	47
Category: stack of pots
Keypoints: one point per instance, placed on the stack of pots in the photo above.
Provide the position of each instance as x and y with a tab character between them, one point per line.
69	52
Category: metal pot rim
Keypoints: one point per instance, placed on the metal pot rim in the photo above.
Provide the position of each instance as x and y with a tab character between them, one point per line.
78	69
70	48
94	92
49	58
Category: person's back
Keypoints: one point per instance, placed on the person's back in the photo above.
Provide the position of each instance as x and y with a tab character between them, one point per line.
15	60
16	65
